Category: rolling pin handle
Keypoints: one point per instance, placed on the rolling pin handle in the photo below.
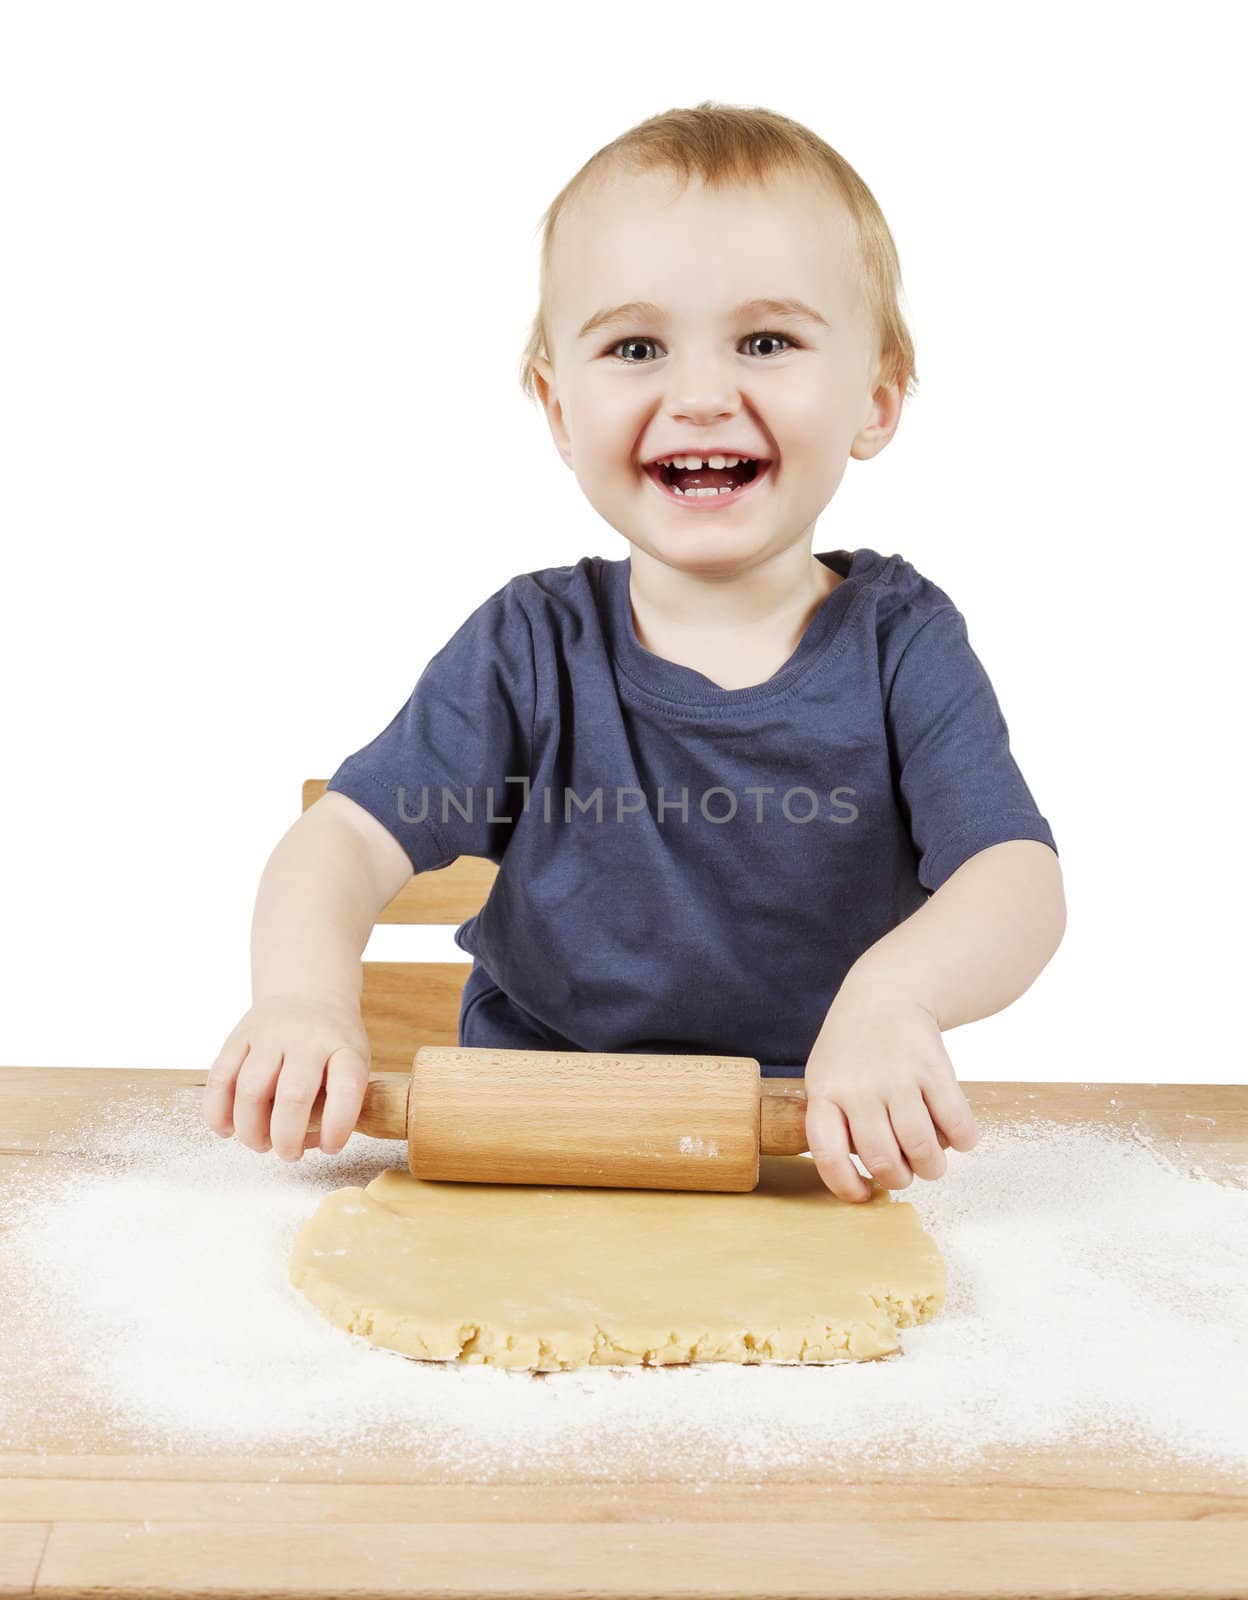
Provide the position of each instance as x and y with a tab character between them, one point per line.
782	1125
383	1111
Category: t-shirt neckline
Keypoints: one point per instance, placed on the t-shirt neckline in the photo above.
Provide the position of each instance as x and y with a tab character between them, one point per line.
681	685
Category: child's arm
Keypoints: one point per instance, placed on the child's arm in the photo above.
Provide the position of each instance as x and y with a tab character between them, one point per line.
325	883
980	941
878	1079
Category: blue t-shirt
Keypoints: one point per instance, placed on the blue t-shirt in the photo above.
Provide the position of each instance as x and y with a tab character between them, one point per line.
687	869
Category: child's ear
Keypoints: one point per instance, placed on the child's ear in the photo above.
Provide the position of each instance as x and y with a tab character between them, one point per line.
883	416
544	381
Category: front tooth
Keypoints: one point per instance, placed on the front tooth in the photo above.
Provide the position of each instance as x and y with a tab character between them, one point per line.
696	463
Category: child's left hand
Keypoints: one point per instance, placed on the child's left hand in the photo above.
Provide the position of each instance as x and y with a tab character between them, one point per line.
879	1075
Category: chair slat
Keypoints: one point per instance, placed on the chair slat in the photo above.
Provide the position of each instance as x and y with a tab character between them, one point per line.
405	1004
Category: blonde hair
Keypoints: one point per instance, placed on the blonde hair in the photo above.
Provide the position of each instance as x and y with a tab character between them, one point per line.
739	145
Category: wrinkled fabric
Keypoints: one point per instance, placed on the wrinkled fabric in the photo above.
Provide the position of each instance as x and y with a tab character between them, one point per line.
683	868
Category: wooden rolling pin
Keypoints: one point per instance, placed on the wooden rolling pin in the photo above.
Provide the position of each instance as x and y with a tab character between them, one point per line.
472	1115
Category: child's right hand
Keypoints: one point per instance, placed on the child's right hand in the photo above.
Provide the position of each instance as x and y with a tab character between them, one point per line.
273	1064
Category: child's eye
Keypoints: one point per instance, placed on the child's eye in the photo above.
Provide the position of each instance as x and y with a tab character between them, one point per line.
611	349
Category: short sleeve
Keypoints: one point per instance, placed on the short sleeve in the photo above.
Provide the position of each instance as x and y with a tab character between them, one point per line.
437	775
960	786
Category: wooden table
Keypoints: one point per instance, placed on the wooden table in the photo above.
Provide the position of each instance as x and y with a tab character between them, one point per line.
84	1514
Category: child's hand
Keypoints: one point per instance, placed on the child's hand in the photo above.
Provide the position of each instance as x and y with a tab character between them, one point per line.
275	1060
879	1082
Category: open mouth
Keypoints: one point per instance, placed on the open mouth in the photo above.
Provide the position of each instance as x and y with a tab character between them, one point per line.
708	489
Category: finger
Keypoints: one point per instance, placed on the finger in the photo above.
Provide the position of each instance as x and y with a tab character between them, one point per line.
877	1148
912	1126
827	1139
346	1080
217	1104
297	1088
253	1097
952	1114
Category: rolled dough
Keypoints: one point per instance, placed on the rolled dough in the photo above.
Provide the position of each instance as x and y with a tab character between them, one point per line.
548	1278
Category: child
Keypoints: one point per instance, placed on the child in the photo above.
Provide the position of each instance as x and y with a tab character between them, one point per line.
745	799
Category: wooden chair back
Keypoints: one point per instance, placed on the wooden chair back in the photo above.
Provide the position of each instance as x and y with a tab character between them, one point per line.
405	1004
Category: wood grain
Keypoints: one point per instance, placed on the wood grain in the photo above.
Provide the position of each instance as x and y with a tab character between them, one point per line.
672	1558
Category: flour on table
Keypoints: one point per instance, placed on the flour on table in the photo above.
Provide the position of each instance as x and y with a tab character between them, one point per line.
1095	1294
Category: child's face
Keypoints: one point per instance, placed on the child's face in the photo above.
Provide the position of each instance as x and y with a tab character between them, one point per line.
698	375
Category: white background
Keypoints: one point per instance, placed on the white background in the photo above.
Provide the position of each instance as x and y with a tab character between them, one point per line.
268	269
